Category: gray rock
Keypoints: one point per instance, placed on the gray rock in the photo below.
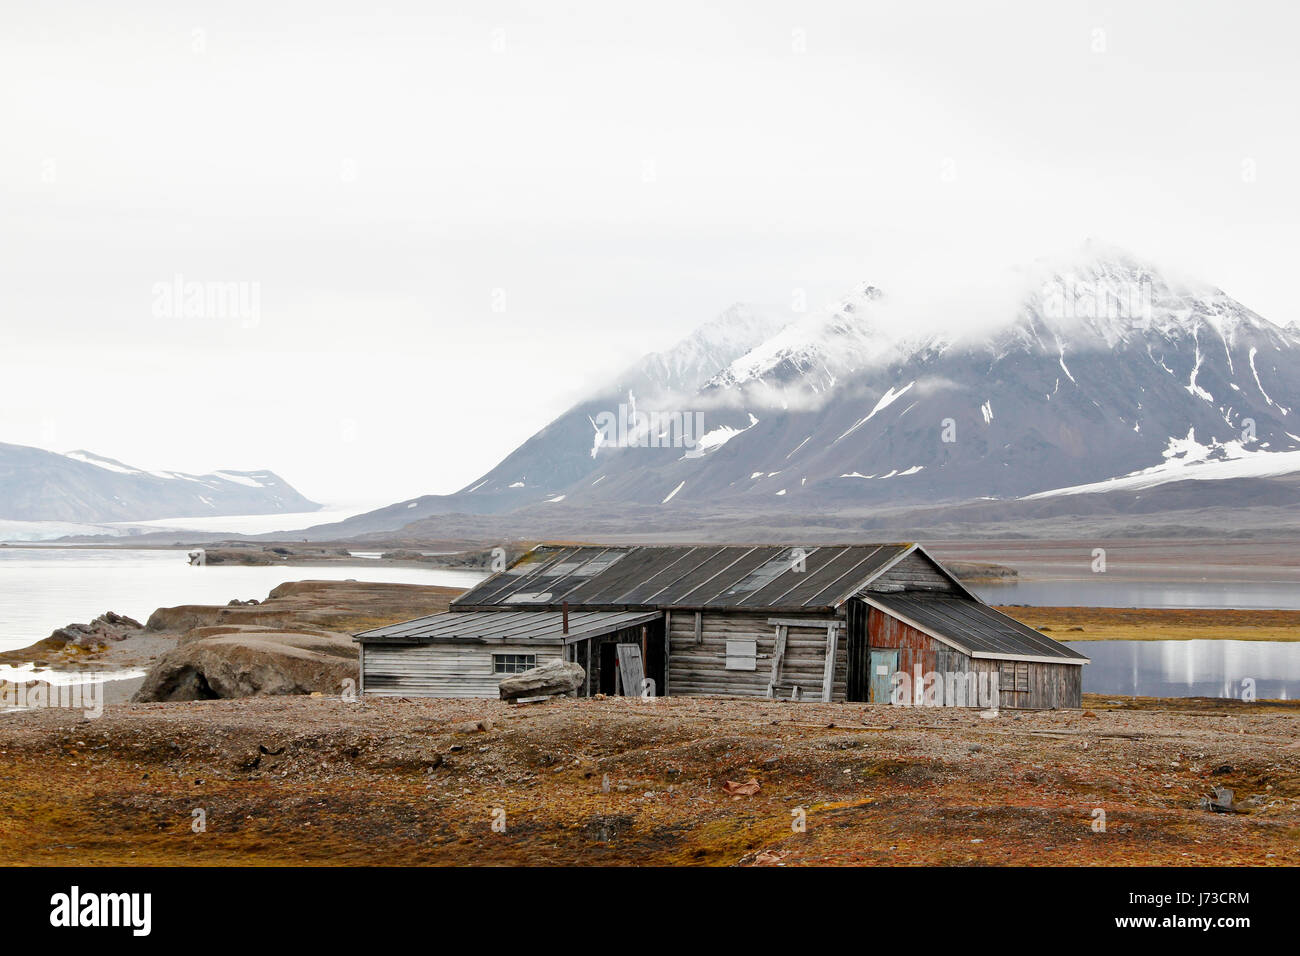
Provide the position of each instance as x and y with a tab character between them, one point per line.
553	677
250	664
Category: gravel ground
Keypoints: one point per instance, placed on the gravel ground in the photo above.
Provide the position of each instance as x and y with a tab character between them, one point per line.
618	781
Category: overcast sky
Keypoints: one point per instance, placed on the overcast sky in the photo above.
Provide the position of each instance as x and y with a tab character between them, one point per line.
454	219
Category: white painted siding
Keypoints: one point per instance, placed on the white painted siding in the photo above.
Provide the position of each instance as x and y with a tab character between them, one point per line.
440	670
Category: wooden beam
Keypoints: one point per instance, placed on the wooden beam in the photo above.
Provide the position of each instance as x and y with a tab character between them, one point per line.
777	657
828	674
668	650
803	621
699	627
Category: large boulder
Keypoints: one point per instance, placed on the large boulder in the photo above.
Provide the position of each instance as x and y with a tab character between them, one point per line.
553	677
251	663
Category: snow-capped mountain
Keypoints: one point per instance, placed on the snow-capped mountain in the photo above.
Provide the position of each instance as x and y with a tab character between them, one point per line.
564	451
1105	368
38	485
1100	368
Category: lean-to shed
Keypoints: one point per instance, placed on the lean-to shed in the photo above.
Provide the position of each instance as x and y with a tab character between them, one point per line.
883	623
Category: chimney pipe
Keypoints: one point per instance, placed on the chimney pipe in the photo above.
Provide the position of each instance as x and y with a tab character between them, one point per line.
564	609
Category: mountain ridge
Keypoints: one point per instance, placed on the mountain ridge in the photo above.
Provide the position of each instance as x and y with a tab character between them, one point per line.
81	486
1100	367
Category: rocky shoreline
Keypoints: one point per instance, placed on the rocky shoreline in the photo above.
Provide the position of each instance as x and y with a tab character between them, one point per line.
297	641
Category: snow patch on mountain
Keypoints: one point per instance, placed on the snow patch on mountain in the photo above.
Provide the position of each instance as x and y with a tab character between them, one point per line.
717	437
108	464
1187	458
1259	384
886	400
239	479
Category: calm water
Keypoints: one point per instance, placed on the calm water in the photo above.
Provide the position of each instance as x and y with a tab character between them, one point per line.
1100	591
44	589
1191	668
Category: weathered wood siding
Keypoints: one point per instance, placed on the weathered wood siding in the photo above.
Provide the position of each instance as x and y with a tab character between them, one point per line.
700	668
914	573
440	670
1035	686
1022	685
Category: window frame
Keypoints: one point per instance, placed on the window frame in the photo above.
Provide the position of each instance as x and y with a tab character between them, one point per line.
512	665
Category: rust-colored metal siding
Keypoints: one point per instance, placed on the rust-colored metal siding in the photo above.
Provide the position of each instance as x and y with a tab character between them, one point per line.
914	648
1025	685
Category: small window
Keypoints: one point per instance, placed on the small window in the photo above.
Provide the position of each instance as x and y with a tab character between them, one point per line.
513	663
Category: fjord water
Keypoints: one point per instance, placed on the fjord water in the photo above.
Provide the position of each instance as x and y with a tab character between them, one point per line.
45	588
1172	668
1269	669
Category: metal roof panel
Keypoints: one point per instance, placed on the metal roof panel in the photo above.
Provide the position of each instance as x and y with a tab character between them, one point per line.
976	626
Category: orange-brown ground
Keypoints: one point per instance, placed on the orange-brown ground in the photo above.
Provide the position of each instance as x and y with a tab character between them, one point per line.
619	781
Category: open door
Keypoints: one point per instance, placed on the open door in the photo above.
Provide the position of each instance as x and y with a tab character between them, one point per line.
631	669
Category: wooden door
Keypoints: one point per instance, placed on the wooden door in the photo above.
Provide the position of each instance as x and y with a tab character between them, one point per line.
631	669
884	664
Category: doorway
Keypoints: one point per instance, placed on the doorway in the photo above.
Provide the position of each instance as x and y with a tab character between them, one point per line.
608	668
884	665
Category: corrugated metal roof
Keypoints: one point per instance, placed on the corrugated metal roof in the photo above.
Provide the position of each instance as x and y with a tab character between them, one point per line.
506	627
978	628
761	577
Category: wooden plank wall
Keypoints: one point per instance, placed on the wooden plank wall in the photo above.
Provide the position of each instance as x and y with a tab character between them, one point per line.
440	670
1044	685
700	668
913	573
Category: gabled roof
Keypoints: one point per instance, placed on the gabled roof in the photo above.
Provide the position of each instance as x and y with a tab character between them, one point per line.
973	628
700	577
505	627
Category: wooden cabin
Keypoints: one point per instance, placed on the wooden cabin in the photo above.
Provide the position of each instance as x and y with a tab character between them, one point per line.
879	623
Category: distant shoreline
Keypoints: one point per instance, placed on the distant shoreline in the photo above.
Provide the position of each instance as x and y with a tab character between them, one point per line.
286	554
1069	624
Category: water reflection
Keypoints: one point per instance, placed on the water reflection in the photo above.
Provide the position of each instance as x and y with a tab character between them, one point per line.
1192	668
1100	591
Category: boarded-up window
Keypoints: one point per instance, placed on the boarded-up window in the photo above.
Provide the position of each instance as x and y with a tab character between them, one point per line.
1014	676
742	655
